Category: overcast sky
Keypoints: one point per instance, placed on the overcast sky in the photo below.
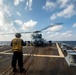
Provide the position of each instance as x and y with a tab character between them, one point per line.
31	15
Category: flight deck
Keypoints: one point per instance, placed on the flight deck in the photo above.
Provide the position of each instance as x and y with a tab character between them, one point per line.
47	60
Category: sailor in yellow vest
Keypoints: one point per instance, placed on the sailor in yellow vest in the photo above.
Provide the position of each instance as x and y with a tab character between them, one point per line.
17	44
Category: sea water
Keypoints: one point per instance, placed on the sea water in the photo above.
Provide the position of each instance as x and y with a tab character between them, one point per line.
2	43
68	43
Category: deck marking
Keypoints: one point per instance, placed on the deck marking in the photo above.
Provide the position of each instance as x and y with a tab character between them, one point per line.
35	55
59	50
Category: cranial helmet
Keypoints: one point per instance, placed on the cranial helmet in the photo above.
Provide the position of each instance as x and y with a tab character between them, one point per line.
18	35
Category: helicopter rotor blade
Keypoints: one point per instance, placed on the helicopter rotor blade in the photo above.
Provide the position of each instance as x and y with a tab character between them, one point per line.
25	32
36	31
56	24
7	33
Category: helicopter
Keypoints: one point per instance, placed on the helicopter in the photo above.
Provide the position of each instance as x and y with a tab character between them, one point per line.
36	37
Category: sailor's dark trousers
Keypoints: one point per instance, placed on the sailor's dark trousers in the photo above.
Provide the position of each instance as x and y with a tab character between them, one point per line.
17	56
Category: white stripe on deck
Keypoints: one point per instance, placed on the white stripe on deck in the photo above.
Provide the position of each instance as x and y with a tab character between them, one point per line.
59	50
35	55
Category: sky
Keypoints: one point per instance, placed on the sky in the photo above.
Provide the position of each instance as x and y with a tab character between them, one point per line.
31	15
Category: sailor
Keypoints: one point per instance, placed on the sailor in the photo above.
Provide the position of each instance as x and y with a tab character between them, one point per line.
17	44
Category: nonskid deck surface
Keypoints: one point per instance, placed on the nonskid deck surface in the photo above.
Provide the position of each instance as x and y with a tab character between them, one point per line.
38	61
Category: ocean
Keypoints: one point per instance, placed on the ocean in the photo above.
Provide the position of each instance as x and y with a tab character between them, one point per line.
2	43
69	43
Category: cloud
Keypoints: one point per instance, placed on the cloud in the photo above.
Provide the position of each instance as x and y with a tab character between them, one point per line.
28	5
18	22
26	37
1	2
18	13
67	34
54	16
54	34
55	28
63	3
56	4
6	24
16	2
25	25
66	13
74	25
29	24
49	5
7	10
61	36
66	8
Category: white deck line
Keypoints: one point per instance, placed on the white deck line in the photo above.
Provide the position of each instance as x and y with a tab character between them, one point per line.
56	56
35	55
6	53
59	50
